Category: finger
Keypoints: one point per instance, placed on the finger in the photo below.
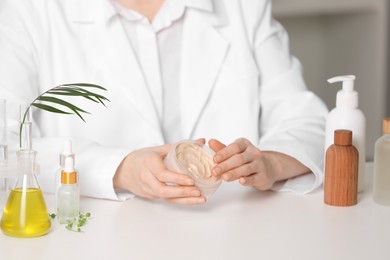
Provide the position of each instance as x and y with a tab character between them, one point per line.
242	171
236	147
164	175
232	163
159	171
188	201
257	180
163	191
200	140
216	145
150	186
170	192
163	150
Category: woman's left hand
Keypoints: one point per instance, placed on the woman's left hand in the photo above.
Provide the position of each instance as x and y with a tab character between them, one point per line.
243	161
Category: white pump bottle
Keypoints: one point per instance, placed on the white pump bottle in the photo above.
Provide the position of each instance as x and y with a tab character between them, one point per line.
347	115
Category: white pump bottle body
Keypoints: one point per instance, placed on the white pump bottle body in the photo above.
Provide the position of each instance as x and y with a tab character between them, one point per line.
347	115
354	120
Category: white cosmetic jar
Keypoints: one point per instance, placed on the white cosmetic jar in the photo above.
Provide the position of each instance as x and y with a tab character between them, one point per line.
196	160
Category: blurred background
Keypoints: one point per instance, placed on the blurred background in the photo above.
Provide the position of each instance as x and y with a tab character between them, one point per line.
340	37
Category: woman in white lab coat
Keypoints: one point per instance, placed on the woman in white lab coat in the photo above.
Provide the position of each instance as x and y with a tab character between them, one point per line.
174	69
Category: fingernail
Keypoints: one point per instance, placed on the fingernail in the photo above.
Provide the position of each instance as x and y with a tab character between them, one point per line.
217	158
242	181
201	200
195	193
226	177
190	181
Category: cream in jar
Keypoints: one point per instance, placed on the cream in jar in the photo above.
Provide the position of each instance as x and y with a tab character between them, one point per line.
195	160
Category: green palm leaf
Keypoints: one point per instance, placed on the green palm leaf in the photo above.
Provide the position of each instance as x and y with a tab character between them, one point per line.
84	85
49	108
73	90
72	93
48	102
58	101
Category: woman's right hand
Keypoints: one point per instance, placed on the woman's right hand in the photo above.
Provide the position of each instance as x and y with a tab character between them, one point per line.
143	173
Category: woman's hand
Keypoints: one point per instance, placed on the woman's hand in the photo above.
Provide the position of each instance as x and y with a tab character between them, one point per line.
243	161
143	173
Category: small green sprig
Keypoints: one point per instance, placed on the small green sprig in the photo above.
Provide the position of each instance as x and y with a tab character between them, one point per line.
46	100
77	223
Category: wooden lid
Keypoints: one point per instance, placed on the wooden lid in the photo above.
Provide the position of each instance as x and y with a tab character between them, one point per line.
342	137
386	125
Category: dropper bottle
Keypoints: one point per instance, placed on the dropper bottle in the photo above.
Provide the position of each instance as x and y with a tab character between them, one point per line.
68	195
382	166
66	152
347	115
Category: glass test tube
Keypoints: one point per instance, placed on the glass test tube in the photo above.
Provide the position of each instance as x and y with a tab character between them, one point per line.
3	133
26	135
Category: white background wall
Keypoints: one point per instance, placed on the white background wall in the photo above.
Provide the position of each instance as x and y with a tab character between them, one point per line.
338	37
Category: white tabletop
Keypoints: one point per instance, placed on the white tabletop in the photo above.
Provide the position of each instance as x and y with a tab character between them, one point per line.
236	223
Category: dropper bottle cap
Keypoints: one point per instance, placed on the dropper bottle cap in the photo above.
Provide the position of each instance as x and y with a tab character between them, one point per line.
386	125
346	97
68	174
67	152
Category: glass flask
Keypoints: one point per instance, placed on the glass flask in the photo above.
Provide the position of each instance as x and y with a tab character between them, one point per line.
25	214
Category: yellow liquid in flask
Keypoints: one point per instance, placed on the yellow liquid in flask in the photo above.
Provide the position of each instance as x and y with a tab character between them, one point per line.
25	214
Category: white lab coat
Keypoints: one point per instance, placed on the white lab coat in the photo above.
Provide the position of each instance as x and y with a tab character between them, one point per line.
237	80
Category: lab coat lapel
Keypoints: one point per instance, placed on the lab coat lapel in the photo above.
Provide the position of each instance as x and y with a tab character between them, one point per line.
203	52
